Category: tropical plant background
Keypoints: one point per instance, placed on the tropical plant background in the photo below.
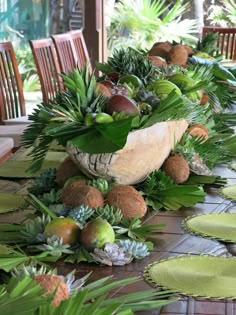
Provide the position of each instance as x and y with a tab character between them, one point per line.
223	14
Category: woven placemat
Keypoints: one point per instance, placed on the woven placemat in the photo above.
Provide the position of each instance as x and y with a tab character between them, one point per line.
229	192
219	226
11	202
198	276
17	169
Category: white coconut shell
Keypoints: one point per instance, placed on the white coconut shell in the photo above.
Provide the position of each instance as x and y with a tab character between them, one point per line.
145	150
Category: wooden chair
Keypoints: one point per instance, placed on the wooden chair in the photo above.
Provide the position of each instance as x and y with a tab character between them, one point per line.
226	40
80	48
47	66
12	102
66	53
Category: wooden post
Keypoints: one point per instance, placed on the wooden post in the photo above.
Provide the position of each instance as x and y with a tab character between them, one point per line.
95	30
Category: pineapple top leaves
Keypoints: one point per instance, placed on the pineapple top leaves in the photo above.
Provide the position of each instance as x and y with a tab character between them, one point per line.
129	61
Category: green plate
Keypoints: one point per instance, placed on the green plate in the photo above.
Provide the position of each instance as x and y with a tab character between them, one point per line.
11	202
17	169
229	192
219	226
233	166
201	276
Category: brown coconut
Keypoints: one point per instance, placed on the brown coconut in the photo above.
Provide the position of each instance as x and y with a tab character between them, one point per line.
54	283
198	130
76	194
66	170
157	61
128	199
103	89
178	55
188	49
160	49
177	168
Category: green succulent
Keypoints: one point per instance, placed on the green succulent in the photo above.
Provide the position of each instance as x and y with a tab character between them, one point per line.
44	183
137	249
32	231
113	215
81	213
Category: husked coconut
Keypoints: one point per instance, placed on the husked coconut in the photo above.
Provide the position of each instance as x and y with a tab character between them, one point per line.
178	55
157	61
66	170
160	49
103	89
198	130
128	199
177	168
76	194
188	49
52	283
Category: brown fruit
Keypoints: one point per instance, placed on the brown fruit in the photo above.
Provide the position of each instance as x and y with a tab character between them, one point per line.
177	168
178	55
198	130
188	49
107	83
120	103
157	61
66	170
160	49
75	194
52	283
128	199
103	89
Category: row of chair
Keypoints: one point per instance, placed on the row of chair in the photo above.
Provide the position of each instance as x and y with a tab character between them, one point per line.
54	55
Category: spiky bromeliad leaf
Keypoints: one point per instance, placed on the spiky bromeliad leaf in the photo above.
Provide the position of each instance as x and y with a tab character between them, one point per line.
44	183
129	61
81	213
112	214
161	193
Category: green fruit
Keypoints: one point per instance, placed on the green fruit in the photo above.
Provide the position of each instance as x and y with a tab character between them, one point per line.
163	87
65	228
130	79
103	118
96	234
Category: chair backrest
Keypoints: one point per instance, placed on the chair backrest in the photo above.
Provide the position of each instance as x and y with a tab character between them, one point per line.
66	53
80	48
47	67
12	102
226	40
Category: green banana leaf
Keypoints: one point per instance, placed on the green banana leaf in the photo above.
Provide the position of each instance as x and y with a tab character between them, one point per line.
11	202
220	226
201	276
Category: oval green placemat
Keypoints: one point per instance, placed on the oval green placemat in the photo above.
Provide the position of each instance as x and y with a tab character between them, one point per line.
219	226
233	166
11	202
229	192
201	276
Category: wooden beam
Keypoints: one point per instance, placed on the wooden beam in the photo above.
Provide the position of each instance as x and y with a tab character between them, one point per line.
95	30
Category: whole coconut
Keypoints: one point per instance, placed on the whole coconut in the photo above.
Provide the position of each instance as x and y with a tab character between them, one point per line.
178	55
76	194
65	228
66	170
160	49
189	50
198	130
52	283
177	168
128	199
204	98
96	234
157	61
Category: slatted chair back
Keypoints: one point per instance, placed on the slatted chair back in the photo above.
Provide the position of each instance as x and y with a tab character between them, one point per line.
226	40
80	48
47	67
12	102
66	53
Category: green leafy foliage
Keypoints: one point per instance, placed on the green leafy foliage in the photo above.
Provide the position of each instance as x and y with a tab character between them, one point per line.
161	193
112	214
44	183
